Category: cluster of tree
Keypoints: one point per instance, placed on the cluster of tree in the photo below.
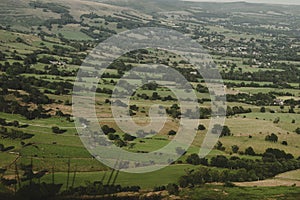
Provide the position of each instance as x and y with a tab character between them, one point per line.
106	129
29	174
59	113
188	74
57	130
174	111
120	66
221	130
202	89
98	188
111	135
56	8
275	93
14	107
219	146
272	138
14	134
91	15
128	15
128	137
31	189
104	90
15	68
27	84
172	189
14	123
156	96
123	23
250	151
108	75
30	59
54	70
4	149
274	162
104	33
257	85
202	112
272	155
236	110
194	159
259	99
2	56
150	86
292	102
134	108
290	74
60	50
64	19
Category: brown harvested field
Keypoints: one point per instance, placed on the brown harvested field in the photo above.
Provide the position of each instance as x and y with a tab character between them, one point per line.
270	183
285	179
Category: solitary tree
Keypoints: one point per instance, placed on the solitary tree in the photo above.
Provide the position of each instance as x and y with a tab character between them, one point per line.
235	148
272	138
250	151
201	127
172	132
222	130
172	188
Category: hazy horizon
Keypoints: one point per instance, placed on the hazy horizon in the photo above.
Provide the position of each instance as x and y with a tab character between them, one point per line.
288	2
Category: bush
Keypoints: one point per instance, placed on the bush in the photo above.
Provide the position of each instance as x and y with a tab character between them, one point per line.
250	151
297	130
112	136
220	146
106	129
128	137
276	120
120	143
277	153
180	151
172	132
272	138
235	148
201	127
222	130
219	161
1	147
172	188
229	184
194	159
159	188
57	130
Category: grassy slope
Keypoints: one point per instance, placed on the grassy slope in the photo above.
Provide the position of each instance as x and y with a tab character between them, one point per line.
245	193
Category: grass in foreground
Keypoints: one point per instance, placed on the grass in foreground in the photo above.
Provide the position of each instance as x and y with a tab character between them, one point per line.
245	193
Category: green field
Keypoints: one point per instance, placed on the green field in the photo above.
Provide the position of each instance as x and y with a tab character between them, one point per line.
247	193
